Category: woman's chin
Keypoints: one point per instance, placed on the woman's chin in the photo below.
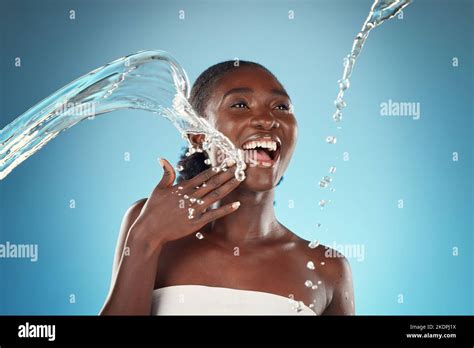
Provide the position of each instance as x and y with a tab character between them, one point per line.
260	179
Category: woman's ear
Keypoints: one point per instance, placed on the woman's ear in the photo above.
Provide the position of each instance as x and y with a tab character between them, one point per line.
196	139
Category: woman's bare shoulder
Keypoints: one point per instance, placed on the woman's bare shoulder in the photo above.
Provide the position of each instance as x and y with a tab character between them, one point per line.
136	207
330	264
333	268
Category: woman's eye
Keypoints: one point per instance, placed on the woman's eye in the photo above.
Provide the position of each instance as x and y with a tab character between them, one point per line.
240	105
283	107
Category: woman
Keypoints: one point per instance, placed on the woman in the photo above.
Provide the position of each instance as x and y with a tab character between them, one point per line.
244	261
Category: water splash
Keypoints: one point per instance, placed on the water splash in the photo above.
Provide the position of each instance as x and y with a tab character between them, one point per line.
380	11
148	80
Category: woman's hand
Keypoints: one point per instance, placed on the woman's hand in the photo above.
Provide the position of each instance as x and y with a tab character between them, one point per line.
175	211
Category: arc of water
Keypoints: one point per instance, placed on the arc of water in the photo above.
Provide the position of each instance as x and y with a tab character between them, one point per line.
147	80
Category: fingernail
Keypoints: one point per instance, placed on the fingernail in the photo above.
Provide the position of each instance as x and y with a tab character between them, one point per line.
235	205
162	163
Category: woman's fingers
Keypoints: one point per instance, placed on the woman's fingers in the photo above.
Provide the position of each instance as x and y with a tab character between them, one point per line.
168	176
213	183
191	184
217	194
198	179
215	214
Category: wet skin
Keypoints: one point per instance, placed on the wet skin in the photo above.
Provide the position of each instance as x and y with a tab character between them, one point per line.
248	248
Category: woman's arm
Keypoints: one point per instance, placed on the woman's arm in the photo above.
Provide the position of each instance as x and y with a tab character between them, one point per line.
169	214
134	271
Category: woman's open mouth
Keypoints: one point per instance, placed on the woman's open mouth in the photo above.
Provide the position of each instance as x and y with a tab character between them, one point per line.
262	151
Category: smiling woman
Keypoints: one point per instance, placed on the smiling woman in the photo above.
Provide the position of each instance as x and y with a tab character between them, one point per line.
243	261
200	96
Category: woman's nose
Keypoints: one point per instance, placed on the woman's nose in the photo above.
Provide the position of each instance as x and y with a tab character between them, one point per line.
265	122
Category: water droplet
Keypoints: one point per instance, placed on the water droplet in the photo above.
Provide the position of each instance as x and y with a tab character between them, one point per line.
308	283
207	161
322	203
199	235
299	306
319	282
345	61
323	263
179	167
311	305
340	103
313	244
337	116
192	199
200	201
310	265
314	287
332	170
325	181
344	84
332	189
331	139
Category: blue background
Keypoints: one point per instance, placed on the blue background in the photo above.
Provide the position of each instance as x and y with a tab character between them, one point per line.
408	251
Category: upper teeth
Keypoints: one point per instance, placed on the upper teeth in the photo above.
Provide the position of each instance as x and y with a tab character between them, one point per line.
268	144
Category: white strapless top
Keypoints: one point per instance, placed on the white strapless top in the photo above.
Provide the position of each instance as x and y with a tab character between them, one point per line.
212	300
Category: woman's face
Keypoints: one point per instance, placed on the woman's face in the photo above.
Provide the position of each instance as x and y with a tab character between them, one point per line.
252	109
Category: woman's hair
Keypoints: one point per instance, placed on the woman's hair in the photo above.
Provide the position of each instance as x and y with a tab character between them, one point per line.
201	92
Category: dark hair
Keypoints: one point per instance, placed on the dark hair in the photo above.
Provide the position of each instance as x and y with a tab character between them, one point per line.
200	94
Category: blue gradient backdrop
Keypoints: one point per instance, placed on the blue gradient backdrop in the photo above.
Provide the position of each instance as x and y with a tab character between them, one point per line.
408	251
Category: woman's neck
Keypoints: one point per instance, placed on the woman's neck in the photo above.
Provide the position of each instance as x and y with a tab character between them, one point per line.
253	222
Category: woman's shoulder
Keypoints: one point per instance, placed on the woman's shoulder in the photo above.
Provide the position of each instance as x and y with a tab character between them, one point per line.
335	272
134	209
131	214
330	264
138	204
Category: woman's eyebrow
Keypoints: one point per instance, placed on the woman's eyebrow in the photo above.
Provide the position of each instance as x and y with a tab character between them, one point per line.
238	90
280	92
250	90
